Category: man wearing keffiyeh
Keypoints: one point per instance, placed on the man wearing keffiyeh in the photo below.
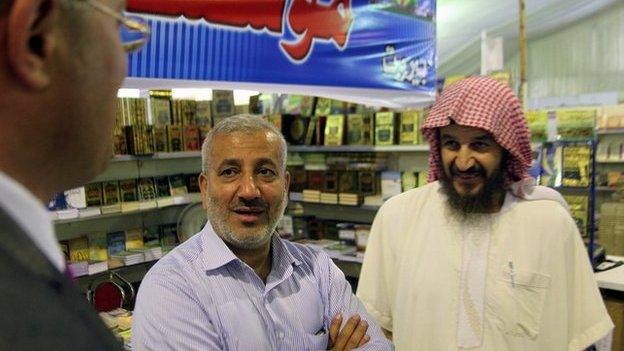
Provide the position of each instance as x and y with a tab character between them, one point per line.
480	258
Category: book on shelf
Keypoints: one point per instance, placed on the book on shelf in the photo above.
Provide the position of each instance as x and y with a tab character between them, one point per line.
188	109
334	130
119	134
410	122
373	201
129	195
134	239
116	242
222	105
79	249
330	182
203	113
168	236
95	267
161	138
576	165
579	211
349	199
98	246
93	193
76	198
359	129
179	191
191	138
385	123
319	132
160	104
297	178
328	198
409	180
151	236
192	185
112	200
338	107
295	128
355	126
315	180
322	106
77	206
149	253
310	195
163	192
175	137
147	194
310	136
127	258
390	184
367	183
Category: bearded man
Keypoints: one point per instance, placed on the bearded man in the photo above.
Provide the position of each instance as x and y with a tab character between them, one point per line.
237	285
480	258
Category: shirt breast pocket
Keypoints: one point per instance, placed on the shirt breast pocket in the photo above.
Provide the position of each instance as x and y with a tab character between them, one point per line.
518	302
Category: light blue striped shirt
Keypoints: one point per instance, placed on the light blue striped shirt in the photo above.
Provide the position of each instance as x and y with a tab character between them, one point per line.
200	296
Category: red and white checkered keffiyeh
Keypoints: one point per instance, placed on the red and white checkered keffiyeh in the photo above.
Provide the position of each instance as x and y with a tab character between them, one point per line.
485	103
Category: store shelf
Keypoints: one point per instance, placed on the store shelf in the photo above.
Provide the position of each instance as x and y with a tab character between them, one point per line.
157	156
606	188
358	148
615	162
73	228
361	214
116	214
610	131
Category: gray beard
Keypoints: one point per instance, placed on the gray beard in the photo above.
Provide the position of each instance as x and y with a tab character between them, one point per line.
255	241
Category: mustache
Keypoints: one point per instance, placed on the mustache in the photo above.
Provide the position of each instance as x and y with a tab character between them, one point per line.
256	204
476	169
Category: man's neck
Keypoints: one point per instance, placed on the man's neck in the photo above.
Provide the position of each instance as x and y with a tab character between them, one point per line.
30	182
260	259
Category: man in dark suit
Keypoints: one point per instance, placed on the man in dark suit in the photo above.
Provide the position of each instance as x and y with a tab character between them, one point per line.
61	63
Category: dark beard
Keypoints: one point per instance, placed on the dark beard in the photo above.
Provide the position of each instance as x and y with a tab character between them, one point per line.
482	202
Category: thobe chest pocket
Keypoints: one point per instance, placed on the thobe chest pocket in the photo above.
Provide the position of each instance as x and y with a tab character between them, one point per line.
518	302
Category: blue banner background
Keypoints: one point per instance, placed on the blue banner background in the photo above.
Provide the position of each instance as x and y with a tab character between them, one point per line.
195	50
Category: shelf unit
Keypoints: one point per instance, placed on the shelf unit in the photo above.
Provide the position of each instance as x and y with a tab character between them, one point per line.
614	162
361	214
358	148
610	131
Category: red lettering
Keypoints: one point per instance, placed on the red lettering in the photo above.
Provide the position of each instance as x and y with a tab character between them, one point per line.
258	14
309	20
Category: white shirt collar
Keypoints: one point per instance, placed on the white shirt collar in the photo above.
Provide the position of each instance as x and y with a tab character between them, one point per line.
32	216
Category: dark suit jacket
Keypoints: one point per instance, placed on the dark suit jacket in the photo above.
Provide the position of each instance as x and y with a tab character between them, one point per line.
41	308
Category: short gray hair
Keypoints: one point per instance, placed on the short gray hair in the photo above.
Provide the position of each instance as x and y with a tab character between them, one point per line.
243	123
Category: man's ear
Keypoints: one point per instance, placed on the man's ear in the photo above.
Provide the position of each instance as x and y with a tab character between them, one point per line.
203	187
287	175
30	40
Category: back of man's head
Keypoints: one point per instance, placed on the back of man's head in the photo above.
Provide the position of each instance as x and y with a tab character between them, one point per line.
485	103
60	67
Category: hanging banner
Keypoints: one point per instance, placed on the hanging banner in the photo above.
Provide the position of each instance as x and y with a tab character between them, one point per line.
377	51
